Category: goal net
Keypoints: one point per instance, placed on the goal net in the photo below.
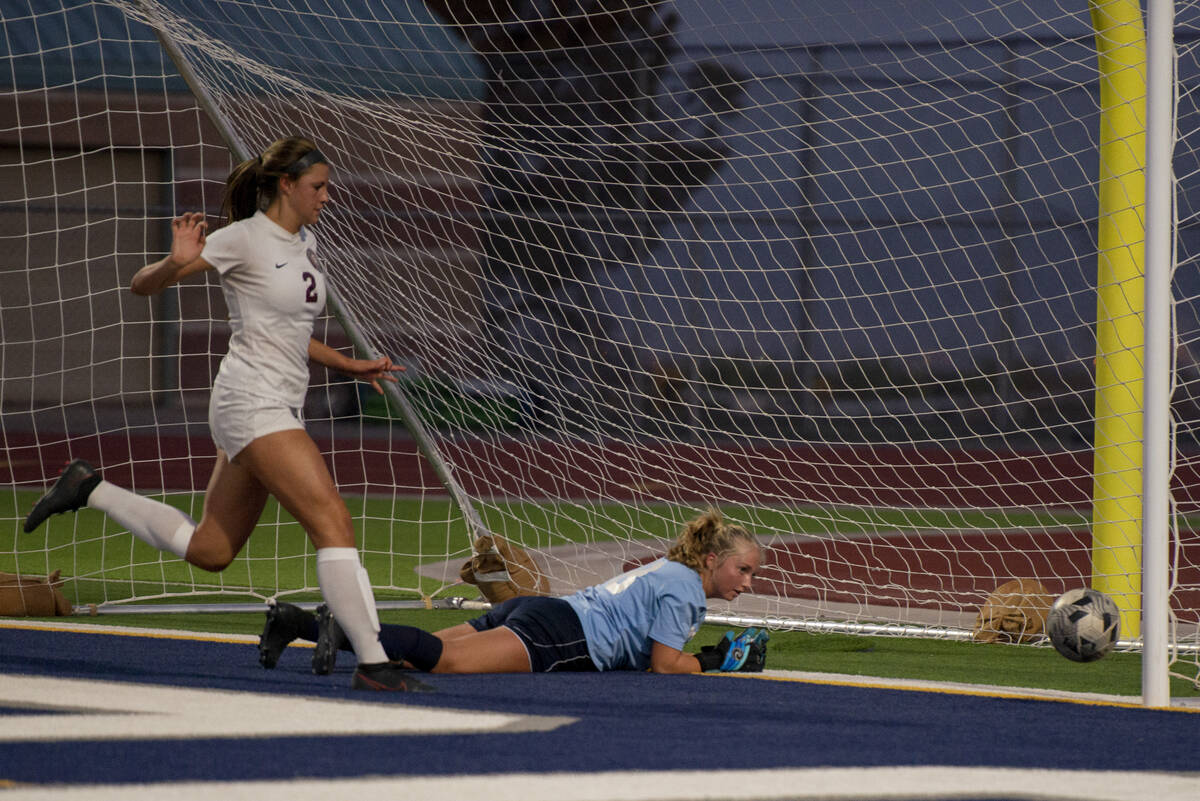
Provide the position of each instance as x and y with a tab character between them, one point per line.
837	269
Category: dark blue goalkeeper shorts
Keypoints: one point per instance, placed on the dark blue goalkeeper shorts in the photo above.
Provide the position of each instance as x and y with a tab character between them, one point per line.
548	627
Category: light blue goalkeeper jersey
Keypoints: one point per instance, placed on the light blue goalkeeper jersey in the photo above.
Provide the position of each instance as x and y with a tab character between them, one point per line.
662	601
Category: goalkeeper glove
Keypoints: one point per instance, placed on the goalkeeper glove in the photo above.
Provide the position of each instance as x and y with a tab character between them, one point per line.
746	653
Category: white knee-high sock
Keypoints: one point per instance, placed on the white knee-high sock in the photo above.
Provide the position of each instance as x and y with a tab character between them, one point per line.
346	589
152	522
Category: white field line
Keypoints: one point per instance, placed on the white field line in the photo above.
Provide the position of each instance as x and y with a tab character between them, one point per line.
926	782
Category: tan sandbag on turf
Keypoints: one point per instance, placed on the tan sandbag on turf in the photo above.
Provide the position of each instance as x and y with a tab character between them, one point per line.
502	570
1014	612
27	596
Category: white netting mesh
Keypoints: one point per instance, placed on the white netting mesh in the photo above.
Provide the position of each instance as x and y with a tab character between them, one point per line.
831	268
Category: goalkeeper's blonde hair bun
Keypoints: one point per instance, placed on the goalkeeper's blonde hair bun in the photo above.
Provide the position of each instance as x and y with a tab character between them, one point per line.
708	533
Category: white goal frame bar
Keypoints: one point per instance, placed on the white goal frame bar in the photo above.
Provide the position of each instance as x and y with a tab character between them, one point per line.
1159	260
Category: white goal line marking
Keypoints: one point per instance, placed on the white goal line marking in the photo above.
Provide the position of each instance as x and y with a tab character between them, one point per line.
115	710
75	626
928	783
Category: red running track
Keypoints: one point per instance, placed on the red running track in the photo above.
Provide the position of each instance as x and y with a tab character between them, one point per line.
923	568
886	476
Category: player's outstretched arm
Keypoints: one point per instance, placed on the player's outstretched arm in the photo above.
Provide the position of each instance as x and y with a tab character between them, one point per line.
665	659
188	233
371	371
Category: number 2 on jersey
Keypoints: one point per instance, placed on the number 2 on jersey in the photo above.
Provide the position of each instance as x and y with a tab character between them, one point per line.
310	294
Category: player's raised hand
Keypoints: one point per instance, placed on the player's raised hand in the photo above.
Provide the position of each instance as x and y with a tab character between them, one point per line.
187	237
188	232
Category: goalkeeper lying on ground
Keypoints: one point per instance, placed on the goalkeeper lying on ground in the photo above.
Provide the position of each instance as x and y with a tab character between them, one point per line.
637	621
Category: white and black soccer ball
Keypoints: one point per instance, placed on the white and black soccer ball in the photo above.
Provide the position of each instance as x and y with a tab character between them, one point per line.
1083	624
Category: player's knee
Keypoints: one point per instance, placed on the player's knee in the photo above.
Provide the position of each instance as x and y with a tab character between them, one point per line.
211	565
214	560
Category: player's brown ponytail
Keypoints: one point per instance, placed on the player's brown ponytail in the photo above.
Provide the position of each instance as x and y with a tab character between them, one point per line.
253	184
241	191
708	533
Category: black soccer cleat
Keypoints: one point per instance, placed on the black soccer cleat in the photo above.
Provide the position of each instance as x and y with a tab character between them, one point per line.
284	623
330	640
387	676
68	494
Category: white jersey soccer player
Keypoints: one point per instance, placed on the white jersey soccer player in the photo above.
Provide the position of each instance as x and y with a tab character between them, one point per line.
274	292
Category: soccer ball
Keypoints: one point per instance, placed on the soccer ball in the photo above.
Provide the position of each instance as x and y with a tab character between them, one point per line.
1083	624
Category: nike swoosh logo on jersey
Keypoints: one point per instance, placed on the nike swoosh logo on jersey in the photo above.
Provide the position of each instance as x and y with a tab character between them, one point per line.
280	266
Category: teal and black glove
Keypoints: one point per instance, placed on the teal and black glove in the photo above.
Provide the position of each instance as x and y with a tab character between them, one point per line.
745	653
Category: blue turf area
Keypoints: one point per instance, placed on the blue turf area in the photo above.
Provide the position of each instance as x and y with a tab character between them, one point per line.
621	721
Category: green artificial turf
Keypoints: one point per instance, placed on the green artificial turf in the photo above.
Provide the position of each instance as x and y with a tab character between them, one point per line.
104	563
